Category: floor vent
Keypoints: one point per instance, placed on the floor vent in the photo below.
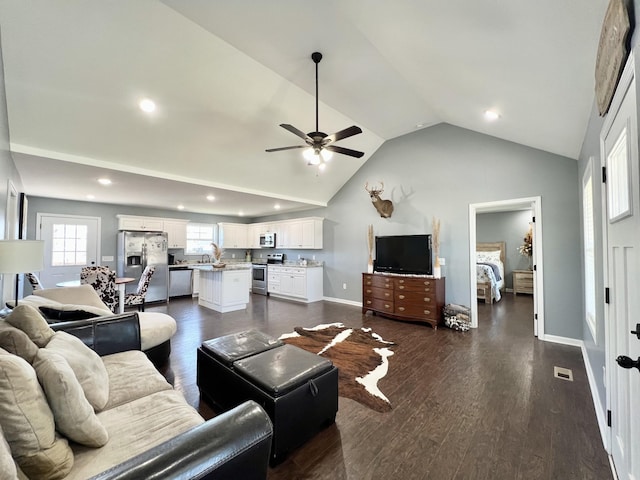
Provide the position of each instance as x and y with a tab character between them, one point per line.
563	373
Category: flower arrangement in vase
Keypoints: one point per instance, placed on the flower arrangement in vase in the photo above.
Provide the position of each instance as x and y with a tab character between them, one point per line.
217	255
526	249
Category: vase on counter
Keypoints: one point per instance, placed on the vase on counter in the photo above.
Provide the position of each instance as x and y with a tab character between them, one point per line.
436	268
370	265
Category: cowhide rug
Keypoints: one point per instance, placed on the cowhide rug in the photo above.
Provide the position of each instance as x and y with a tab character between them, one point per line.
360	355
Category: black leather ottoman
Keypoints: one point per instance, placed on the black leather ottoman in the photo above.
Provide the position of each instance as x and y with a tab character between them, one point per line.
297	389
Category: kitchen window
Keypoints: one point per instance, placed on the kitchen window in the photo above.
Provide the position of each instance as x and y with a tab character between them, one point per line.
200	236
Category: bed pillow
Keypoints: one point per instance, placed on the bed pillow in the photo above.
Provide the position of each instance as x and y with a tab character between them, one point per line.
30	321
73	414
488	257
87	366
27	422
15	341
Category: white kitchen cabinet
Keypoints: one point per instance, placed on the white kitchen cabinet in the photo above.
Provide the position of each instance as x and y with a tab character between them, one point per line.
130	222
176	232
233	235
253	235
296	283
300	233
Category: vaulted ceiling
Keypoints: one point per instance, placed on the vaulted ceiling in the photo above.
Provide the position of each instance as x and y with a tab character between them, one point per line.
225	74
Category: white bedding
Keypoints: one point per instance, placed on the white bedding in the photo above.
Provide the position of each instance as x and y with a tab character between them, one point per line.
485	273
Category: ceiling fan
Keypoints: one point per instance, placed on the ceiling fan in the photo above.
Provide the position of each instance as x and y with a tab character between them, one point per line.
319	145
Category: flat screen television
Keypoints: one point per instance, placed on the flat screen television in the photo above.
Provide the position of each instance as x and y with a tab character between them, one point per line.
409	254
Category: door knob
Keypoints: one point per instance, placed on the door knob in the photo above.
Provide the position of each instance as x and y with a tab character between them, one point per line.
636	332
626	362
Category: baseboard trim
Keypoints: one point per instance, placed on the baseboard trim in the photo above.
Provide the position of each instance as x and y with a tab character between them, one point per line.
600	411
343	301
563	340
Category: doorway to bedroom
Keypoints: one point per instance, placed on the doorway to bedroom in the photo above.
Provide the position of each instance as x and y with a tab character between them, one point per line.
510	231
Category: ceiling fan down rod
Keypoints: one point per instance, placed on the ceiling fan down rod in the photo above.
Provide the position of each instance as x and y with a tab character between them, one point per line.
316	57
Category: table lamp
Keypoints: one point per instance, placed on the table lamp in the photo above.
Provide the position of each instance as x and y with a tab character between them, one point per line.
21	256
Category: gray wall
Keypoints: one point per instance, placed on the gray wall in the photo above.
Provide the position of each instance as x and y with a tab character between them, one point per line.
508	227
438	172
8	170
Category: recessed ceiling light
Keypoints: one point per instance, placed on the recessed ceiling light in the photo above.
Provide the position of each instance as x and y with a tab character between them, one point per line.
211	198
147	105
491	115
104	181
277	206
241	213
90	197
180	207
420	125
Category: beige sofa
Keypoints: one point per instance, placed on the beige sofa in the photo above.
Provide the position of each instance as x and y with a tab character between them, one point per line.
76	303
66	412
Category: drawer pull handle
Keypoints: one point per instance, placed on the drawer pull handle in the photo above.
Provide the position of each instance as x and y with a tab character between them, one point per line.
386	305
401	287
386	294
368	291
401	309
427	289
401	297
427	299
401	281
368	302
427	312
427	283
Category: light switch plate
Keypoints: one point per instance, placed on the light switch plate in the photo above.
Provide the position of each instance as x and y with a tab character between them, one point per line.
107	258
442	261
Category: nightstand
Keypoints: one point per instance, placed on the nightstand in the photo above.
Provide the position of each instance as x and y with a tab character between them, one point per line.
522	281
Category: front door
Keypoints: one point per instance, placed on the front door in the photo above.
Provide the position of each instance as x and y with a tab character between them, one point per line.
621	220
70	243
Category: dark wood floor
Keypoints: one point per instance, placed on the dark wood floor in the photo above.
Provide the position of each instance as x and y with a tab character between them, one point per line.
476	405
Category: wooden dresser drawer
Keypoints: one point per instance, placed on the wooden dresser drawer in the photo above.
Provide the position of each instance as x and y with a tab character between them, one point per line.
377	281
421	298
414	285
376	292
417	310
378	304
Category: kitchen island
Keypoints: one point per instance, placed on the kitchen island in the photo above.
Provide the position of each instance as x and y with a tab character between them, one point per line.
224	289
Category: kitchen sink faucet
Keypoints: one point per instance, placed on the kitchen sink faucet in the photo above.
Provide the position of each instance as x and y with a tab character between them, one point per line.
207	256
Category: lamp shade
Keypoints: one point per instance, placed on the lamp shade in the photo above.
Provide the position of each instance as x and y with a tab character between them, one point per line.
21	256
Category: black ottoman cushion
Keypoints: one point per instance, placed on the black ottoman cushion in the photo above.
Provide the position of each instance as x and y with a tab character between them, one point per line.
278	371
236	346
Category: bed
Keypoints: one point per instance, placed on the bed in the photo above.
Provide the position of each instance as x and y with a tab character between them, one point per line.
490	258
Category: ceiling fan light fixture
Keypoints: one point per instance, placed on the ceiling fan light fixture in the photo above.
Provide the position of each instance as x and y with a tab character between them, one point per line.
312	156
326	154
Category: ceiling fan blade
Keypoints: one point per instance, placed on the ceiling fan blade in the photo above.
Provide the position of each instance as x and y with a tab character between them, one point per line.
286	148
297	132
344	151
347	132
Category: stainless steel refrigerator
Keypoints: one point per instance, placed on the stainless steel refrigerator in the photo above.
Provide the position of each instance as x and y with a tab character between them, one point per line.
136	250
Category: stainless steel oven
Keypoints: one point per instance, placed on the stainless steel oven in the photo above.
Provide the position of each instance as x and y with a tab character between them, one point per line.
259	278
259	273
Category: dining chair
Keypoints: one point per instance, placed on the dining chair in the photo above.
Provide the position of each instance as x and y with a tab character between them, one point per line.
138	298
103	281
34	281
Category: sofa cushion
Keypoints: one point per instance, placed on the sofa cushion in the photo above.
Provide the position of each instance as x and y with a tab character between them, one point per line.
9	470
131	376
80	295
150	420
155	328
28	424
30	321
73	414
86	364
15	341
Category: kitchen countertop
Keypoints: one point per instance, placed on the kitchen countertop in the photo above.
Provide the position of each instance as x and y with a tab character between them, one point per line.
228	266
296	265
206	264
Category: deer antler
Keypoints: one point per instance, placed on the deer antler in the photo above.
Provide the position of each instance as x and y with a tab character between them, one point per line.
381	187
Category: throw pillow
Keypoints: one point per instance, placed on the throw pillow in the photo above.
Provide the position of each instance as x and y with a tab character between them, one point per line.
27	422
73	414
86	364
15	341
30	321
488	257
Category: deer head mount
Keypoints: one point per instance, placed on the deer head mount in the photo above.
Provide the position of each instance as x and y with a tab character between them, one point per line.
384	207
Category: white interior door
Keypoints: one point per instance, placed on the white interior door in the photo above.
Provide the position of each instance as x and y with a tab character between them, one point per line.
70	243
622	226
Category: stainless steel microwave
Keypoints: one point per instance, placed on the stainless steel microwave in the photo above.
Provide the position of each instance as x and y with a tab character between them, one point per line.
267	240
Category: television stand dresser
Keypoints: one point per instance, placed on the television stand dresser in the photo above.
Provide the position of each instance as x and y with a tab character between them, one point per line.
404	297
